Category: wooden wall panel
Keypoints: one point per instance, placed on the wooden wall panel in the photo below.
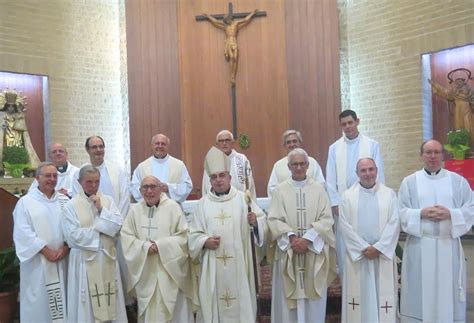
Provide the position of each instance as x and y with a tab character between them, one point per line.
441	64
153	75
312	47
30	86
261	84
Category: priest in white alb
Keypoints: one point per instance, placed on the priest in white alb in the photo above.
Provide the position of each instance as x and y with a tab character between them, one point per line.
341	167
240	169
300	222
172	173
155	244
41	248
292	139
91	225
370	226
219	238
436	209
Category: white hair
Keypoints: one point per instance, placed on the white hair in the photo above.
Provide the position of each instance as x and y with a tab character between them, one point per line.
223	132
298	151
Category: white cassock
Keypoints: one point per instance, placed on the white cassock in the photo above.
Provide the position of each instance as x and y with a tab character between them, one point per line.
37	223
162	281
168	170
434	265
239	167
94	284
369	217
300	281
343	156
226	285
281	172
65	179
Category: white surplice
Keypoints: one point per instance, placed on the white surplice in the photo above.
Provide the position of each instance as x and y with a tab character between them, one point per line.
226	284
343	156
37	223
90	238
239	167
369	217
165	169
65	180
281	172
434	265
300	281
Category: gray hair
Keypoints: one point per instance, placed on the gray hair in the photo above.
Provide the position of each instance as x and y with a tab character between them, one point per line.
298	151
41	166
225	131
160	134
364	158
87	169
292	132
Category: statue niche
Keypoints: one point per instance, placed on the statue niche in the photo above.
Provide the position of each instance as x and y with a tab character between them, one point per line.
13	129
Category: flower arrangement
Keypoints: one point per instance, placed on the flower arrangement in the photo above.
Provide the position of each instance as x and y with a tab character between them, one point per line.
458	143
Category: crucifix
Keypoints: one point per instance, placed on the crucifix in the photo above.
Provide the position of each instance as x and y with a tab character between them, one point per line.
231	27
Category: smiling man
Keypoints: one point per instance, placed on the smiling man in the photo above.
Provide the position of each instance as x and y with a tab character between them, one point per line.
369	224
172	173
155	244
91	224
436	209
239	166
41	248
301	223
340	168
292	139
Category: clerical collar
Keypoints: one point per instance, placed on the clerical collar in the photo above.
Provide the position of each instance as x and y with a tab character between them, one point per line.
161	158
62	169
353	139
432	173
153	205
223	193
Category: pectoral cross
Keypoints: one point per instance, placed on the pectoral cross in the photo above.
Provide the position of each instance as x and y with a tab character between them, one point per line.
97	295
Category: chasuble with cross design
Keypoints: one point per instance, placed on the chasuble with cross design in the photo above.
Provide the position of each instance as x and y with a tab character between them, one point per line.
301	208
226	284
162	281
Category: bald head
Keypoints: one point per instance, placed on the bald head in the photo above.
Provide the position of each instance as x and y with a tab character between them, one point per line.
160	145
57	154
432	155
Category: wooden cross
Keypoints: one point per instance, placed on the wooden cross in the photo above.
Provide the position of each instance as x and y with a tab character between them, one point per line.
231	36
224	257
222	217
354	304
386	307
108	294
97	295
227	298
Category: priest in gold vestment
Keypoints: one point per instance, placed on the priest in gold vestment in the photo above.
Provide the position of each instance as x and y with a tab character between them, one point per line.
154	241
300	222
219	238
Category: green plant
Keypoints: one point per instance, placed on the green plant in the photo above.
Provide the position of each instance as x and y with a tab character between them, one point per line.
458	143
15	155
244	141
9	270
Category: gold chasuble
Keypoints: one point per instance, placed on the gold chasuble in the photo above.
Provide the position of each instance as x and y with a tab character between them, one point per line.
158	279
298	209
100	270
226	286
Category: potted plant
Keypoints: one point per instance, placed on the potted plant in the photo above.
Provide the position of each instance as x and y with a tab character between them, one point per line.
458	143
9	284
15	159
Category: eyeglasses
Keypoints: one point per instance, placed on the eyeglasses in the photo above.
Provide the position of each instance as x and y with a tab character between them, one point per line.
49	175
149	187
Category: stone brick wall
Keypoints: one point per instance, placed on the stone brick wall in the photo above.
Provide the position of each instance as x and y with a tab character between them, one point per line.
381	46
80	46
